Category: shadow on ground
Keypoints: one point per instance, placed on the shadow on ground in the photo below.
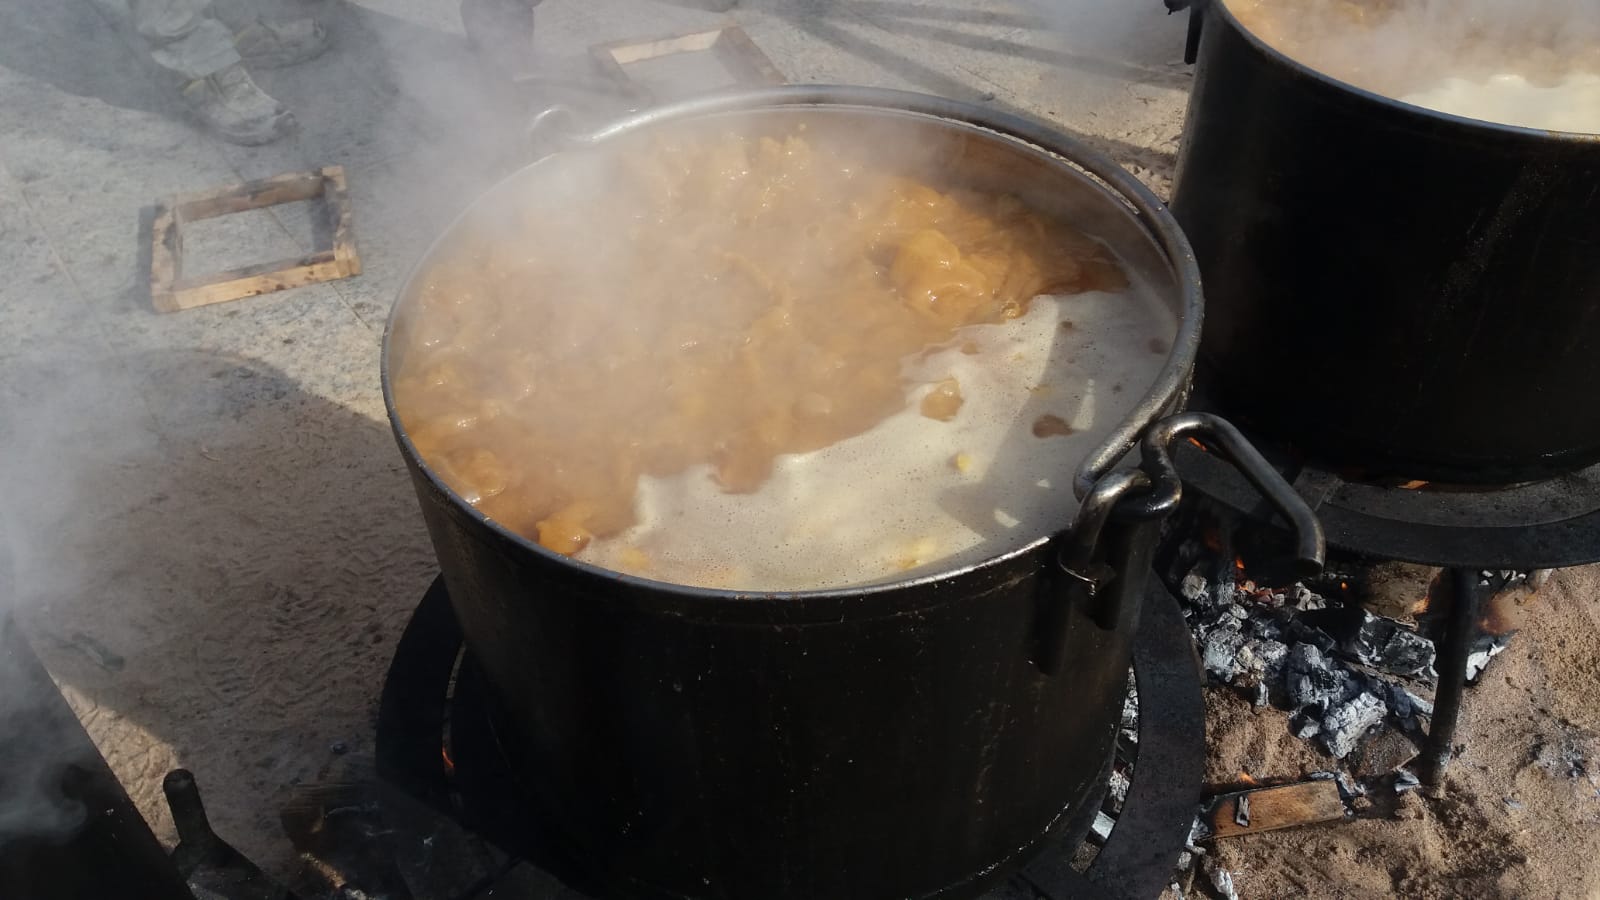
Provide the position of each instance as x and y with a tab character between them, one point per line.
229	601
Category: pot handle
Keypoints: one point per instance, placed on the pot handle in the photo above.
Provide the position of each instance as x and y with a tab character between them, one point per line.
551	130
1150	493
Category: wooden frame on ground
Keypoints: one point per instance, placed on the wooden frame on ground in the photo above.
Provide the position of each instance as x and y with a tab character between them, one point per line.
731	45
170	291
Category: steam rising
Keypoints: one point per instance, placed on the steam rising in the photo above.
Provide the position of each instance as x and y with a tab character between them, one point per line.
57	423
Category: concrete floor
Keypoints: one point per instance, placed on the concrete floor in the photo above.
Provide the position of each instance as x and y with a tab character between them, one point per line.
211	534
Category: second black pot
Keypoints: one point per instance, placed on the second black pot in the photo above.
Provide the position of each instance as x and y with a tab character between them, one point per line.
1396	291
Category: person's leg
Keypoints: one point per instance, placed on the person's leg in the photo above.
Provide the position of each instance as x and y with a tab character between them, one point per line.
187	40
502	30
185	37
269	45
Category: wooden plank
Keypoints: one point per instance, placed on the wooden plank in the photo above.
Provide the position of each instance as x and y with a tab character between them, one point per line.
1272	808
336	194
737	44
164	254
731	43
251	195
252	281
627	52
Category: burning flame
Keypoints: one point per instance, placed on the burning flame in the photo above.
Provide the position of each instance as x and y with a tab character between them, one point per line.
1245	779
449	764
1421	606
1344	585
1238	563
1413	485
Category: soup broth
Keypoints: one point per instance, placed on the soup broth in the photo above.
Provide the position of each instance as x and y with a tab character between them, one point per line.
771	362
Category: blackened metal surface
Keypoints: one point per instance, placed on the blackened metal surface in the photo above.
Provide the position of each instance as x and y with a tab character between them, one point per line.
412	711
892	745
1460	631
208	863
478	787
1397	290
1152	829
1510	528
68	830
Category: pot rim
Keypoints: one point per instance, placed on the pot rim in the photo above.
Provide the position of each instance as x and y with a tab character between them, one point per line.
1166	394
1396	105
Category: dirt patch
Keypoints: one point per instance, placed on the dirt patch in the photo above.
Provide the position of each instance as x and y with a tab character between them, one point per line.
1521	816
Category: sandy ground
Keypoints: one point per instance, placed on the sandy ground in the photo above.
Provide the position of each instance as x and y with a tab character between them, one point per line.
1520	817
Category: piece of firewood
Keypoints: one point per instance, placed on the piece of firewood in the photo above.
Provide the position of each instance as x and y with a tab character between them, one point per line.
1271	808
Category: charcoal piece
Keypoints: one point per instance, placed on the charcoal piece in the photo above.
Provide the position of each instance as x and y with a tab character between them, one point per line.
1375	641
1389	646
1264	628
1220	653
1314	681
1303	599
1272	654
1305	726
1300	631
1349	788
1405	705
1346	723
1194	588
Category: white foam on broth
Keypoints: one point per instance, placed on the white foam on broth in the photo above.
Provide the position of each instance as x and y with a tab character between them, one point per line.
915	494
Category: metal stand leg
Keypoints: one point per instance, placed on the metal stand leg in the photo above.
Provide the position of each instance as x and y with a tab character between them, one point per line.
1460	631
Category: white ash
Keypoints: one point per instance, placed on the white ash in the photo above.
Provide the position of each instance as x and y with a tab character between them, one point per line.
1478	660
1102	826
1117	788
1221	880
1130	713
1405	780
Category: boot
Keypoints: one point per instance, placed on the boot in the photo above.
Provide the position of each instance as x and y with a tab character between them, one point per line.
230	104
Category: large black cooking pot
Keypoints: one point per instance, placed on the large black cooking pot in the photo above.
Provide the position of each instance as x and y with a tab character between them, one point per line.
911	739
1398	291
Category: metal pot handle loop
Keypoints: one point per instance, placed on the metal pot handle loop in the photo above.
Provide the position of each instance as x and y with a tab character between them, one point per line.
1215	434
551	130
1148	494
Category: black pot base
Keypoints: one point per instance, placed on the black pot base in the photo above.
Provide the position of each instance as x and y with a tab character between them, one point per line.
437	742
